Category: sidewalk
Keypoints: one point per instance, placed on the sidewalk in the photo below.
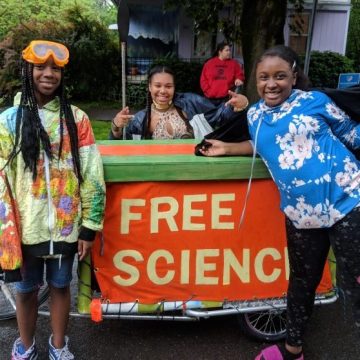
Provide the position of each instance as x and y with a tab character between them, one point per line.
102	114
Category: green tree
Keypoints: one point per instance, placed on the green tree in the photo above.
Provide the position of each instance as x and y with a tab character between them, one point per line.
353	40
14	13
262	24
258	25
205	14
92	51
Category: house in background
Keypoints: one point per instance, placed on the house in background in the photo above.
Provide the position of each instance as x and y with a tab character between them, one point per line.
155	33
330	27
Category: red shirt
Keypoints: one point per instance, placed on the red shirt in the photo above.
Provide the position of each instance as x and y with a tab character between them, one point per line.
218	76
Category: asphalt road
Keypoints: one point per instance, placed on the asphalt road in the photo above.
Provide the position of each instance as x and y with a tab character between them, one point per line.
102	114
329	337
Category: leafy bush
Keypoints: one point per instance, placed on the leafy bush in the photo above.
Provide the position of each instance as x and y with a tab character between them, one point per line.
95	65
187	74
94	68
325	67
136	95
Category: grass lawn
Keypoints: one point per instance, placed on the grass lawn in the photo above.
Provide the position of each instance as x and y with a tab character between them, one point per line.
101	129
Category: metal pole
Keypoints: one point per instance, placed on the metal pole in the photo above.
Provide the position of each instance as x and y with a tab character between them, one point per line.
123	79
123	17
309	40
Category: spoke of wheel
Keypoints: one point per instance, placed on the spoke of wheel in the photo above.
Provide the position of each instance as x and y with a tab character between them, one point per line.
266	323
8	295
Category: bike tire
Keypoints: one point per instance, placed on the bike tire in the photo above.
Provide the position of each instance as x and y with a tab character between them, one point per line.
7	311
269	326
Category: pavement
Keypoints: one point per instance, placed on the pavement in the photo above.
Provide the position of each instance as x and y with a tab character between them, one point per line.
102	114
329	337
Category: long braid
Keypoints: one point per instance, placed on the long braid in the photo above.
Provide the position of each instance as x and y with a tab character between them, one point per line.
146	127
28	123
67	117
33	132
189	128
44	137
61	115
73	134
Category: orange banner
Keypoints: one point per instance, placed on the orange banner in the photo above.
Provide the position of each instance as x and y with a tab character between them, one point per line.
167	241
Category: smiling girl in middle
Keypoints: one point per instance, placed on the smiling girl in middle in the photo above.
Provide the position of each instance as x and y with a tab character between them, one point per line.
168	114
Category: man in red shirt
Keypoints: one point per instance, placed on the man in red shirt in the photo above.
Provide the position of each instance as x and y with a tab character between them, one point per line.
220	74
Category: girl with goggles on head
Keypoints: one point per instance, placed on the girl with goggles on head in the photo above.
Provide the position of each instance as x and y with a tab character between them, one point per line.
48	153
39	51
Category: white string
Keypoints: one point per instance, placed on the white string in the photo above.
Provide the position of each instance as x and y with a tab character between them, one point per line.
251	173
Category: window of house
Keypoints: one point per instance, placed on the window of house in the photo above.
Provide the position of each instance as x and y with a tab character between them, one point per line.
152	33
299	32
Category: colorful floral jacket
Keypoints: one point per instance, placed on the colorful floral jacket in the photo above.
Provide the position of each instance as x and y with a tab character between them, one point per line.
54	210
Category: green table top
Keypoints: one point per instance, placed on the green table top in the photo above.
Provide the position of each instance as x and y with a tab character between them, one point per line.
174	160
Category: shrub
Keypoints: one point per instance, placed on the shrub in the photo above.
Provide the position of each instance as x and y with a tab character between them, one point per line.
325	67
94	68
136	95
187	74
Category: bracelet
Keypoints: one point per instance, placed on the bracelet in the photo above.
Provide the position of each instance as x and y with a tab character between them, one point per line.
236	109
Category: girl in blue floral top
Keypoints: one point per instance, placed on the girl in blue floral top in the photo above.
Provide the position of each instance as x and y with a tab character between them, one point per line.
305	141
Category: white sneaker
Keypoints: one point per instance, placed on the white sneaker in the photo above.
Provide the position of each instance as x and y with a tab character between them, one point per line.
60	354
19	353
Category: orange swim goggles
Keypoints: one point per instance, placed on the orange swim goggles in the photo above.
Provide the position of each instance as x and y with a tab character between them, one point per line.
39	51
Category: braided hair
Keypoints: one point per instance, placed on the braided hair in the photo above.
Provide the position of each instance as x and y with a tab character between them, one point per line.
146	124
30	134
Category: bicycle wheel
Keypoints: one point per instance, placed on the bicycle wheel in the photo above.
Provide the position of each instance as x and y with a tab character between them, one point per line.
264	325
7	299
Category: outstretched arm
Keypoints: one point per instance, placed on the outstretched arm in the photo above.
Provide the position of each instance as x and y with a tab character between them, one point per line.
220	148
121	120
239	102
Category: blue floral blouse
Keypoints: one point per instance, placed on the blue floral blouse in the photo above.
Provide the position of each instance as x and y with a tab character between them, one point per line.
304	143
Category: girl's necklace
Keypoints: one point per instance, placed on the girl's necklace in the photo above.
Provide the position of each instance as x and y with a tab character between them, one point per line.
161	111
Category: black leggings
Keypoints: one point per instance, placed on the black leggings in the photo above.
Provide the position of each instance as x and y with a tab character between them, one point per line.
308	251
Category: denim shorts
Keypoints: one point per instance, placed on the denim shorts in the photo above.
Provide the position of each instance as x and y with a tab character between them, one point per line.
32	273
